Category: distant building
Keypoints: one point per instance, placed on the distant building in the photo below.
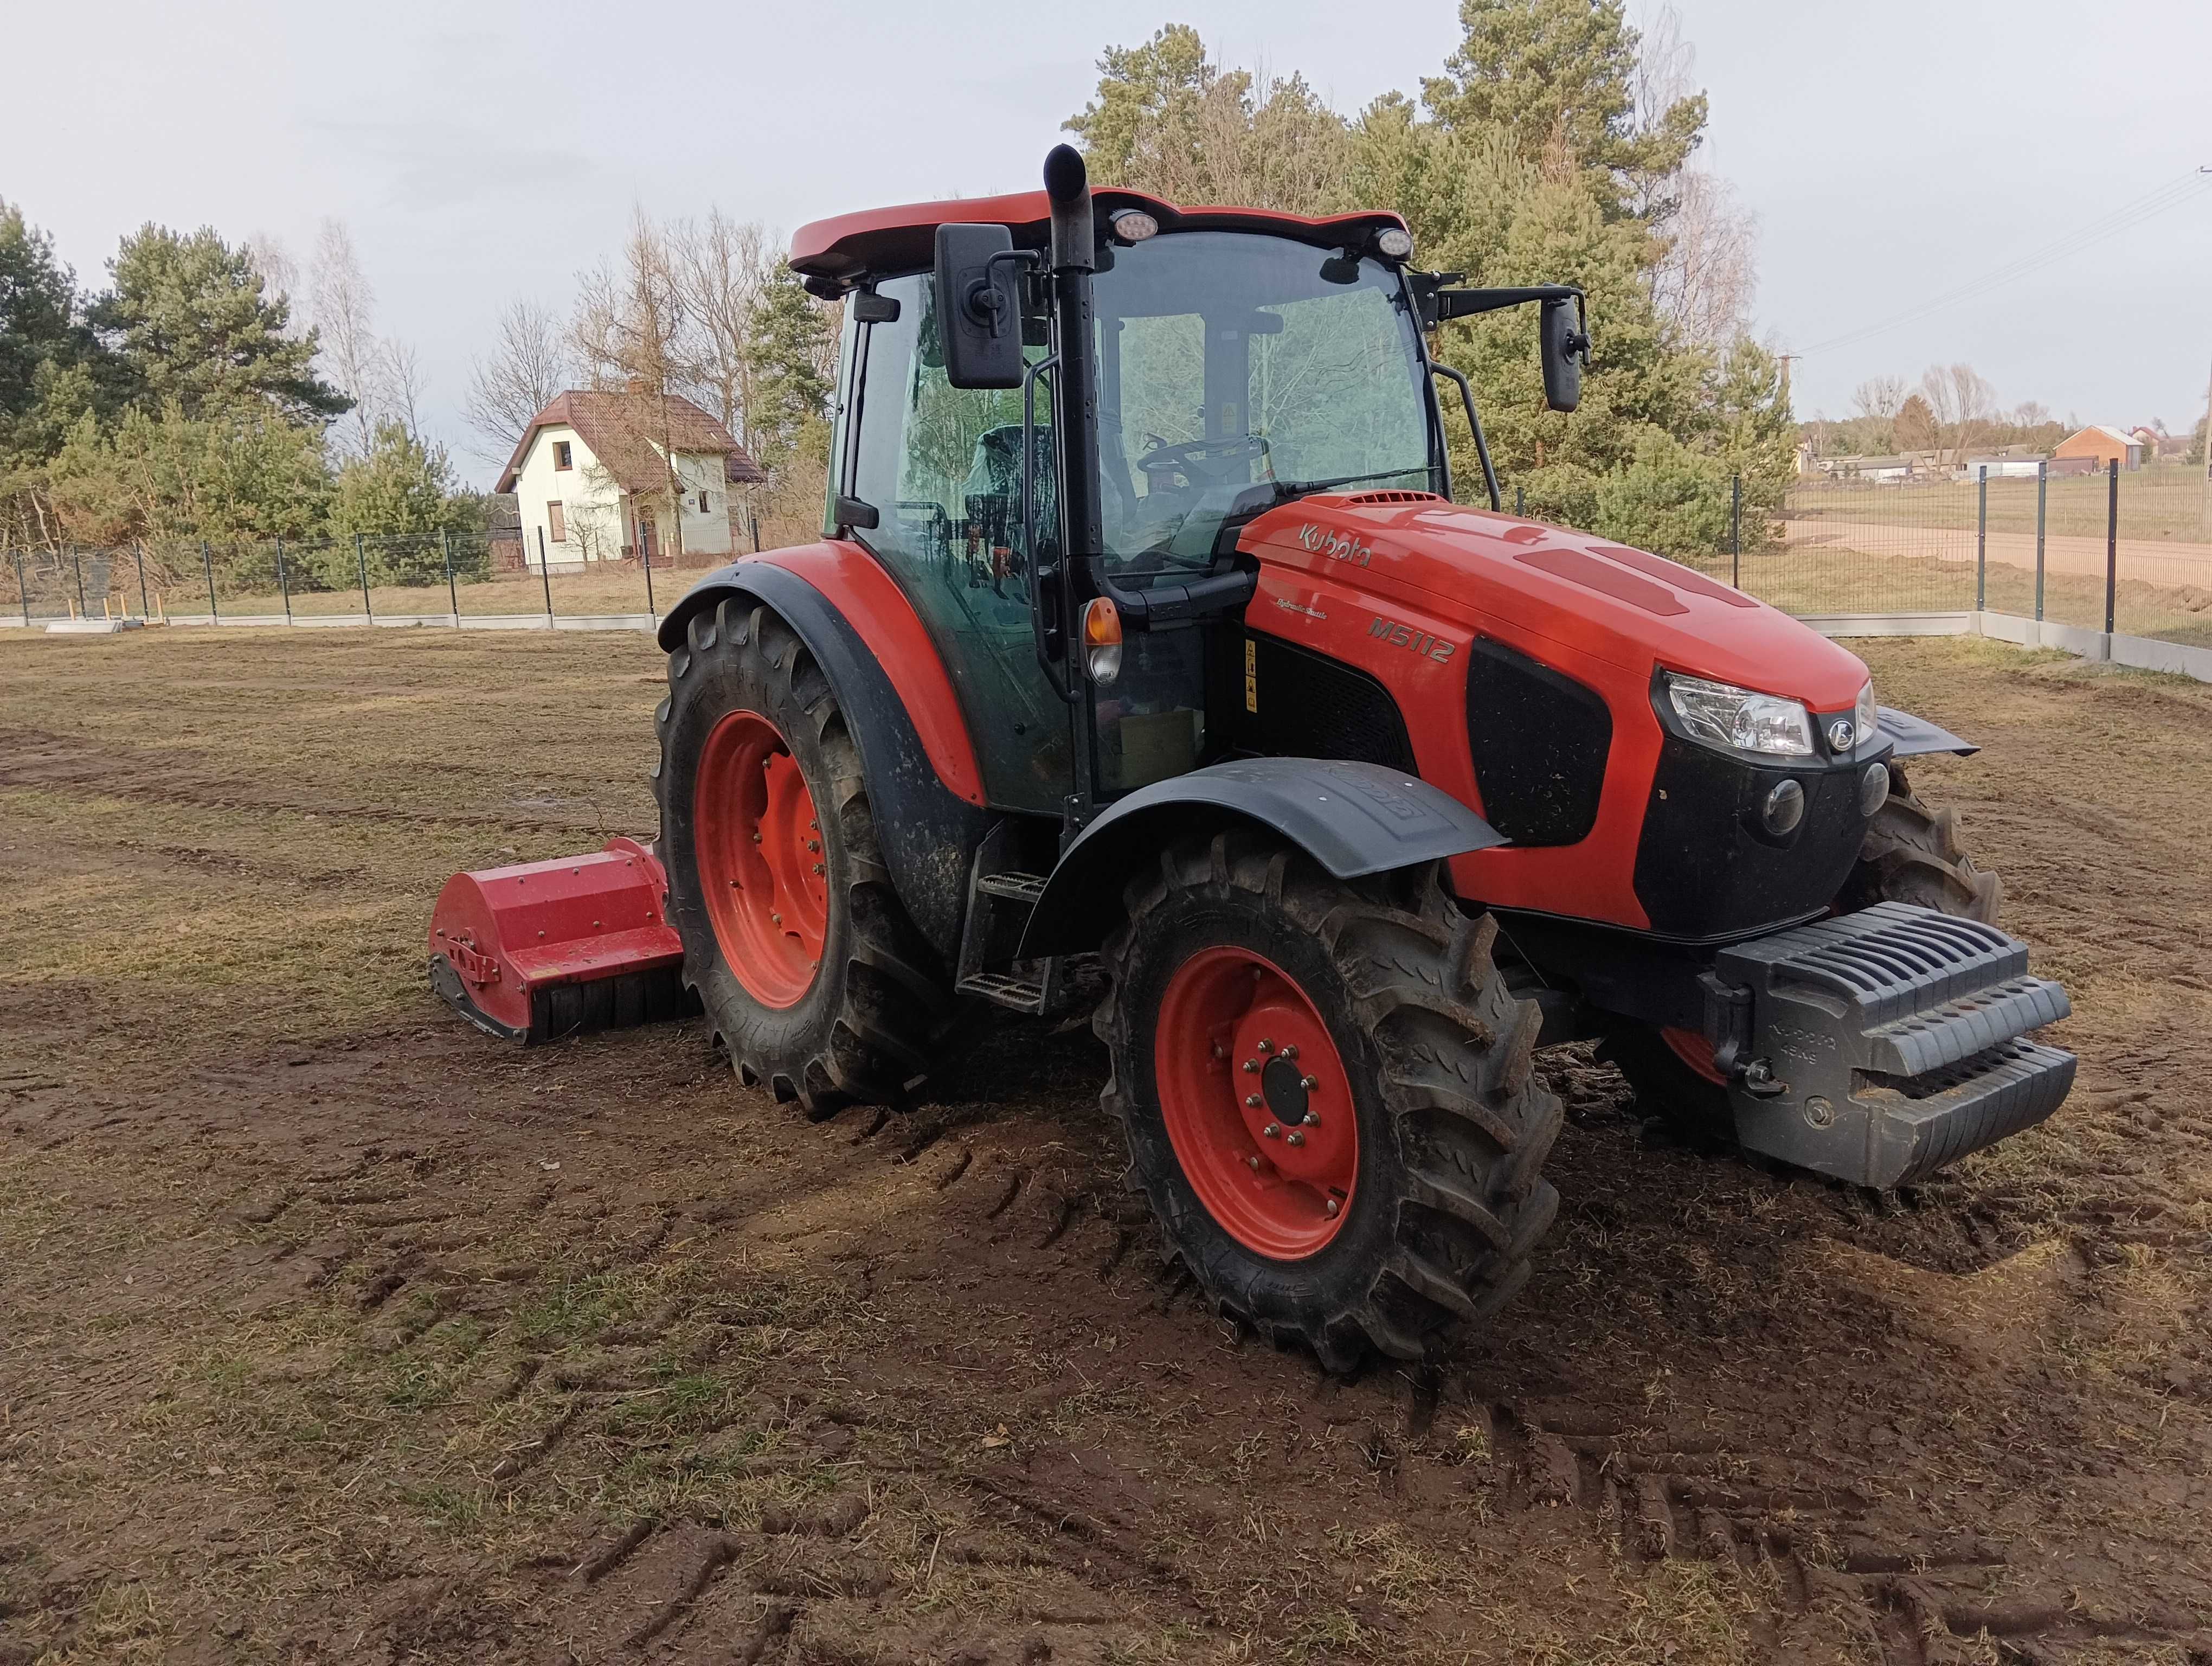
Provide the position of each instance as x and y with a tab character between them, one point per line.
591	475
2099	447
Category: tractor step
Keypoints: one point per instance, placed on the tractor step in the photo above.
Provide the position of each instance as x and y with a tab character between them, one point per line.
1003	989
1014	887
1883	1044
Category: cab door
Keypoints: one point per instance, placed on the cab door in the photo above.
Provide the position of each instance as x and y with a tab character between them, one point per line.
941	468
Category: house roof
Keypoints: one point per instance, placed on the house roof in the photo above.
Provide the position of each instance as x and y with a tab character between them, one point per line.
624	429
2117	436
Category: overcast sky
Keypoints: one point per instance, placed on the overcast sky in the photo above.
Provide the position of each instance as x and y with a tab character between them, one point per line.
480	152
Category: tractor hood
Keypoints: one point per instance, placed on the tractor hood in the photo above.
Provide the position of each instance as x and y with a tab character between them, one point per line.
1627	607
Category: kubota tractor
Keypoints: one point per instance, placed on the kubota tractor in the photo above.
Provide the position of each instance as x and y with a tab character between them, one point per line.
1145	627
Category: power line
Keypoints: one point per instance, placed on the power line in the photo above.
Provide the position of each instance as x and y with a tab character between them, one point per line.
2159	200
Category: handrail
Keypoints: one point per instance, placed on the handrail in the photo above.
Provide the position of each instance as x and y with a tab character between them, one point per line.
1065	689
1482	445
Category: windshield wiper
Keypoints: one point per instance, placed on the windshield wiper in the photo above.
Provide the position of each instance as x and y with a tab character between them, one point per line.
1287	489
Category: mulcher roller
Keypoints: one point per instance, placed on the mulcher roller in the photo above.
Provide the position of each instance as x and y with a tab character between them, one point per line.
542	950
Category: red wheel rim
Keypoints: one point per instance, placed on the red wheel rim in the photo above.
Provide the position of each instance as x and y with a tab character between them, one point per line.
1695	1051
762	864
1256	1101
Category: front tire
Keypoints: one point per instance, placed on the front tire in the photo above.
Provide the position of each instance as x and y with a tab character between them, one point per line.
1408	1212
815	980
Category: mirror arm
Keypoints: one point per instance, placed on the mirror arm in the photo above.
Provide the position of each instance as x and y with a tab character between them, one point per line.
980	303
1062	687
1474	422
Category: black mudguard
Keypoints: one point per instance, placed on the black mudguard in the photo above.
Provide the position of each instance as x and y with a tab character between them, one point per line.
1912	736
1352	818
928	834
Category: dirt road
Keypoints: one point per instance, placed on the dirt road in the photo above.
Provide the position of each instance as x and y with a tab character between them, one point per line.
336	1333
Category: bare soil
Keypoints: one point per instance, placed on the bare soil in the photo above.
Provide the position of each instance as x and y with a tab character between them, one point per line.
335	1332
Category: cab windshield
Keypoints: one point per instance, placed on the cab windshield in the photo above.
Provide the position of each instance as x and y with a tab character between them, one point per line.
1236	369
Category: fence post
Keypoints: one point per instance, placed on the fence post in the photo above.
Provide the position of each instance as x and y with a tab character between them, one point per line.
283	582
651	611
22	589
77	556
2111	542
453	595
1982	544
753	516
545	574
207	560
360	560
2042	497
145	608
1520	501
1735	530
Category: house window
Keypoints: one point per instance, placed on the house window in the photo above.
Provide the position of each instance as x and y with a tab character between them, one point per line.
702	502
560	457
556	524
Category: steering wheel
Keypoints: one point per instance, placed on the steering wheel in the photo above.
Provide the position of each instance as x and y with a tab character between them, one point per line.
1194	457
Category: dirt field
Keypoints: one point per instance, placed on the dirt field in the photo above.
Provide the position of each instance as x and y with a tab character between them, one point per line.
335	1332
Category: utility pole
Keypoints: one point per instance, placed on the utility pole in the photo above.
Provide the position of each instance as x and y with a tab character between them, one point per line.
2206	514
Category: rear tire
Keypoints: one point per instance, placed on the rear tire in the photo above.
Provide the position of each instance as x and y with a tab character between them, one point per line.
1435	1058
1911	854
856	1026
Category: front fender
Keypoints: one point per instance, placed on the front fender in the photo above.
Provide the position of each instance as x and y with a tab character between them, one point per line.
1352	818
1912	736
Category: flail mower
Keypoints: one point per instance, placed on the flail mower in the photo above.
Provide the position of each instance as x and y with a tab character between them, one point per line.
1146	627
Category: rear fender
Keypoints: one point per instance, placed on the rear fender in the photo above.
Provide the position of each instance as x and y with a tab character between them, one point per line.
916	756
1352	818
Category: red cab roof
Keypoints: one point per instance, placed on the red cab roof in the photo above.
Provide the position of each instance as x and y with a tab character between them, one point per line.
835	254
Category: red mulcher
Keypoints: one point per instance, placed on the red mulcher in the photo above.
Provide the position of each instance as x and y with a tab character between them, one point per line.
1146	628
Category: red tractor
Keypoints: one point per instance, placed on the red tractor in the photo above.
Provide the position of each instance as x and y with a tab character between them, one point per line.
1146	627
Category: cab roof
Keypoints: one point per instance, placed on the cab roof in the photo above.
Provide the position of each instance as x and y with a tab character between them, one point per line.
838	254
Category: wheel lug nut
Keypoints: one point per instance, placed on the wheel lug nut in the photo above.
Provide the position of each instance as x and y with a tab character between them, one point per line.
1296	1139
1251	1066
1332	1205
1253	1101
1309	1083
814	844
818	868
1266	1046
1311	1120
756	838
1292	1051
1252	1163
1274	1131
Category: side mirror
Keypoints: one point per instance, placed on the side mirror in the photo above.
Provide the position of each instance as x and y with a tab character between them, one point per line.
979	306
1565	344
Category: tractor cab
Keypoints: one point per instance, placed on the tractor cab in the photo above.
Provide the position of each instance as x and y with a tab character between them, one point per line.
1055	418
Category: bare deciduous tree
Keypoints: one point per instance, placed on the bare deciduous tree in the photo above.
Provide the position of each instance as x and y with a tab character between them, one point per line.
280	274
719	268
629	335
1704	285
1961	402
399	369
345	313
1879	397
527	369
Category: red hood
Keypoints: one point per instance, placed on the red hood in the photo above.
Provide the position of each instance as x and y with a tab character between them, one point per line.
1625	606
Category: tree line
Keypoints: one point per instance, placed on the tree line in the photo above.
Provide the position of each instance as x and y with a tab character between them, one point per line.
1556	144
188	400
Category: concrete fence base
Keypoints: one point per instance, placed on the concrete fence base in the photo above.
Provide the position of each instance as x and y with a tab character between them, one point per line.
2140	653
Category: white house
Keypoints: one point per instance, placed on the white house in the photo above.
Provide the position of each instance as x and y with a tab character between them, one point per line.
591	475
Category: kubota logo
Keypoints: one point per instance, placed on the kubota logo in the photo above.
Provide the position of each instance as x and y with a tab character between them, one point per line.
1337	546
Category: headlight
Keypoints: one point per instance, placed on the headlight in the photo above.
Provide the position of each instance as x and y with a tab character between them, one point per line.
1722	715
1864	718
